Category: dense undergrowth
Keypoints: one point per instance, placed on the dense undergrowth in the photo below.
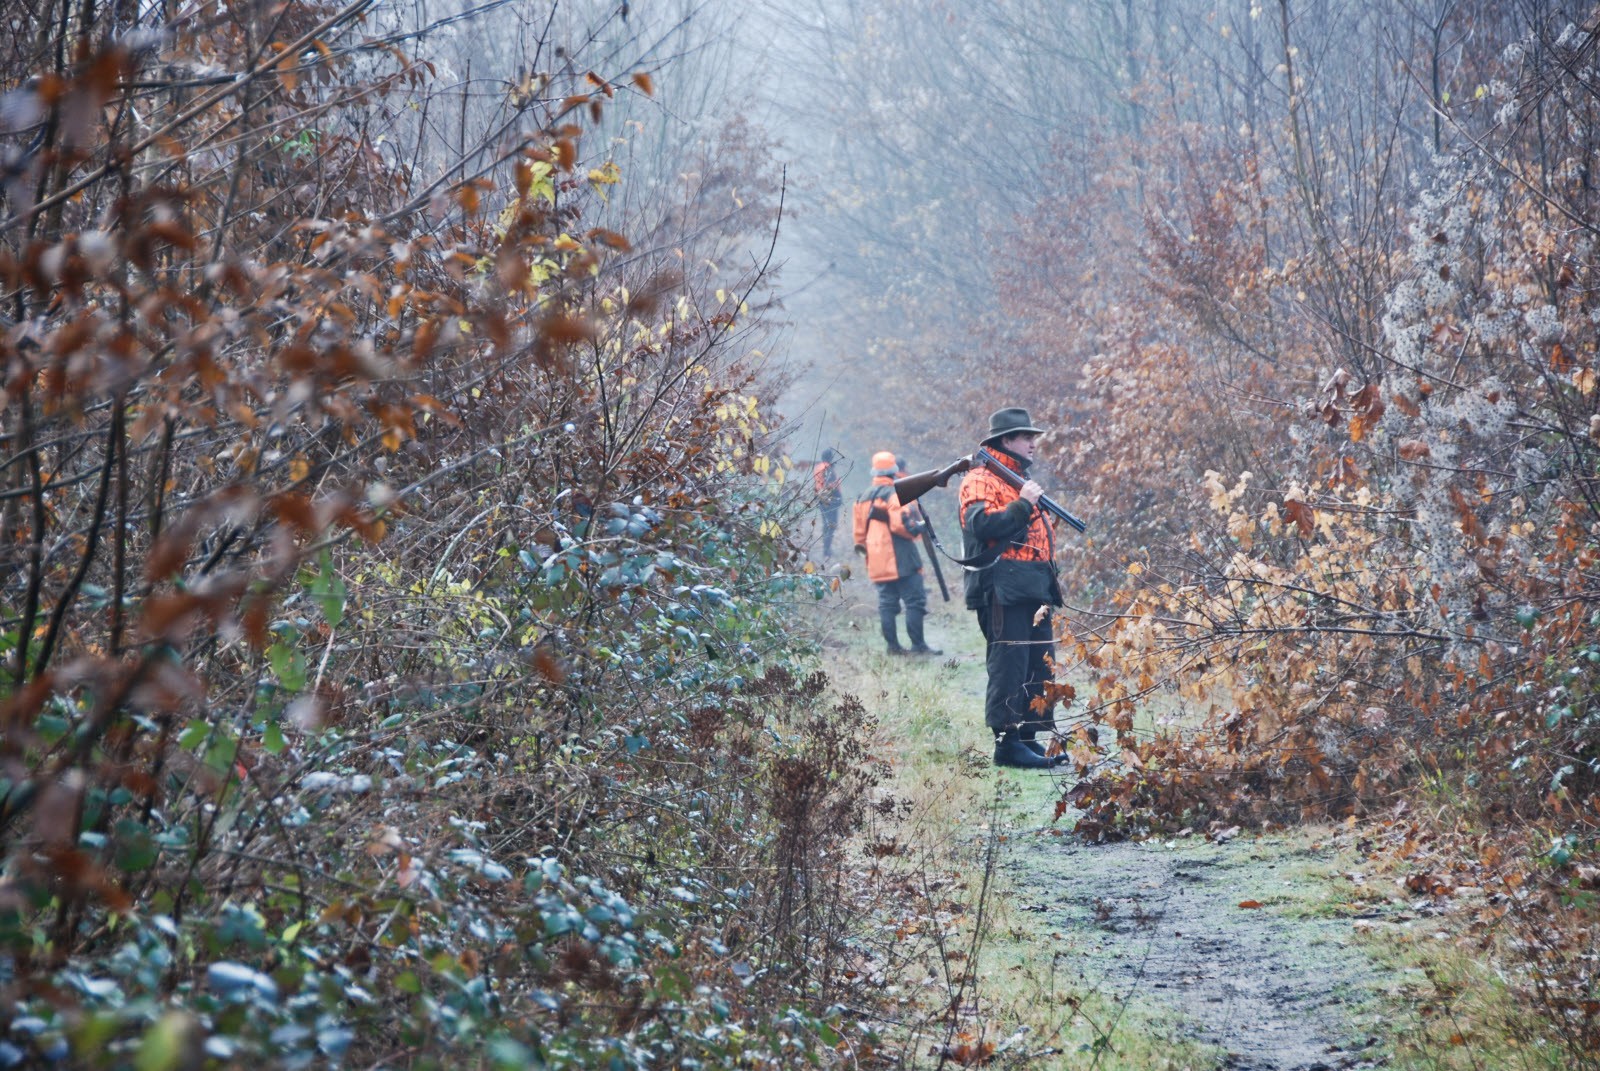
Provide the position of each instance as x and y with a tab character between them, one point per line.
397	662
1306	297
1337	420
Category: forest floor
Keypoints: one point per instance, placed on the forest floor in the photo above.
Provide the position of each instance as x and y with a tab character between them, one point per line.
1241	951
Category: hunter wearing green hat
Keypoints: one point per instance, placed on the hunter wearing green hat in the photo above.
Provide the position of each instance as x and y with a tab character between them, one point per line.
1012	593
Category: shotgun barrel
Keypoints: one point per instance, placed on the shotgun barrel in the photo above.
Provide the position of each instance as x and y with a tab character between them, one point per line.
1016	479
931	541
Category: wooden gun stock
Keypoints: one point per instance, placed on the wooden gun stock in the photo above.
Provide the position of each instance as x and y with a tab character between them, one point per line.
907	489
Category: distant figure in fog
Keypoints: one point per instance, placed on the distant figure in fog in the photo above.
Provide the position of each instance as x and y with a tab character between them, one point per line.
829	498
886	533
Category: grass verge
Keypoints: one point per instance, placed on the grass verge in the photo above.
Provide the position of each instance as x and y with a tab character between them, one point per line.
958	953
978	972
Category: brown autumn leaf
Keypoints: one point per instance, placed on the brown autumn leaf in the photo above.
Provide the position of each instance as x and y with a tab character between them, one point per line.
55	815
557	332
646	84
609	238
643	300
548	667
21	707
170	552
1413	450
1368	400
1250	904
1300	515
166	687
295	510
1471	526
170	615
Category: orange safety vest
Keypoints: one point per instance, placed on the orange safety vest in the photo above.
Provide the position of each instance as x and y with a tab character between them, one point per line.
826	483
879	521
981	485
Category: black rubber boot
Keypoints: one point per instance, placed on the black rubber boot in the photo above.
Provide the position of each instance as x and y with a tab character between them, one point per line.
919	645
1011	751
891	635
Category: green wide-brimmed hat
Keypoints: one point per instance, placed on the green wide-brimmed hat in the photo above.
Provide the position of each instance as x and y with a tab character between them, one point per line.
1013	421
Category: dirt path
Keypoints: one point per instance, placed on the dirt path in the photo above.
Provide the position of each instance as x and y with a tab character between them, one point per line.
1151	934
1273	987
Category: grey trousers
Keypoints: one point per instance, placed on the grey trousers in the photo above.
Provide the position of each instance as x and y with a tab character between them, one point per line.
910	591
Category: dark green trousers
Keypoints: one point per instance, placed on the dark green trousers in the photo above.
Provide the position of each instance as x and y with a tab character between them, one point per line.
1018	659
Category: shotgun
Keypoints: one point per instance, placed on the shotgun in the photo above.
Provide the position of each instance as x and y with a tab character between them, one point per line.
910	488
931	541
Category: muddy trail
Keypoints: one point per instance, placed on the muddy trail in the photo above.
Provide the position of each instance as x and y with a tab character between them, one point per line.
1155	927
1215	933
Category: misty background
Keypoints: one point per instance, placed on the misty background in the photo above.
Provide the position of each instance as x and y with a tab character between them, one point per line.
918	145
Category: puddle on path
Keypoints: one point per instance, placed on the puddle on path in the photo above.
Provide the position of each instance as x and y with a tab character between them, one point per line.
1275	990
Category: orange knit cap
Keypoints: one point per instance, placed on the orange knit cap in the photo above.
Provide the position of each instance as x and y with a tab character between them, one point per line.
883	464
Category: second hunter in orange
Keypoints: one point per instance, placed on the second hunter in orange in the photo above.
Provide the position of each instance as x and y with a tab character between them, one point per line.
886	532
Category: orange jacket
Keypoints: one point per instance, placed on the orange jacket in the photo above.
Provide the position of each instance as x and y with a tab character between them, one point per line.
995	518
826	483
887	530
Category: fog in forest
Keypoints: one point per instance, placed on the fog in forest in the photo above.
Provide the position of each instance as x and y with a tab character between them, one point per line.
924	146
417	647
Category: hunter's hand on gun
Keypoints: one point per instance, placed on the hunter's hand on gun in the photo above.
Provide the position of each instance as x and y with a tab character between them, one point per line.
911	488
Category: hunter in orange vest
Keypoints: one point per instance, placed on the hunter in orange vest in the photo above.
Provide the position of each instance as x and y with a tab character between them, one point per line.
829	499
1005	526
886	532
